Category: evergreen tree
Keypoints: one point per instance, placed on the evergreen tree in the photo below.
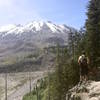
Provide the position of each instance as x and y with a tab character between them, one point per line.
65	75
59	73
93	32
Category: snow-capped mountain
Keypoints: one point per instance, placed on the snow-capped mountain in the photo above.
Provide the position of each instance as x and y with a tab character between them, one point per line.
34	27
36	34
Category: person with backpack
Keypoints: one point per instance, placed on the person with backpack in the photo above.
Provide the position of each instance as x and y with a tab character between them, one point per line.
83	62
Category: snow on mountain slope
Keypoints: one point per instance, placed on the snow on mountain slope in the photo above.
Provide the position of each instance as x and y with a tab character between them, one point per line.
34	26
36	34
7	28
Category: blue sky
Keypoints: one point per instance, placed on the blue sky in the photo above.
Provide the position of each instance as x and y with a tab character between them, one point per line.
69	12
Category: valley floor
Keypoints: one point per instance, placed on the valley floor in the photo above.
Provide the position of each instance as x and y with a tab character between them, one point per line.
18	84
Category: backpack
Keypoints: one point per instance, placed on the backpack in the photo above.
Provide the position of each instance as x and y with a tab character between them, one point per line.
83	60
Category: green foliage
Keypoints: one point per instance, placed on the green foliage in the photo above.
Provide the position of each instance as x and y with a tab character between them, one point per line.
77	42
66	74
93	32
39	92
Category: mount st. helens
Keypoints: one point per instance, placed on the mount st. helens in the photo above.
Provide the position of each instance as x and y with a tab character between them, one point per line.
18	41
35	33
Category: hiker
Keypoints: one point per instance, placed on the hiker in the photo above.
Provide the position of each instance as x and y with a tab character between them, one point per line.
83	62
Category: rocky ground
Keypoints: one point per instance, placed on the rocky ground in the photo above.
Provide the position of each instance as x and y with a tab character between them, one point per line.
85	91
